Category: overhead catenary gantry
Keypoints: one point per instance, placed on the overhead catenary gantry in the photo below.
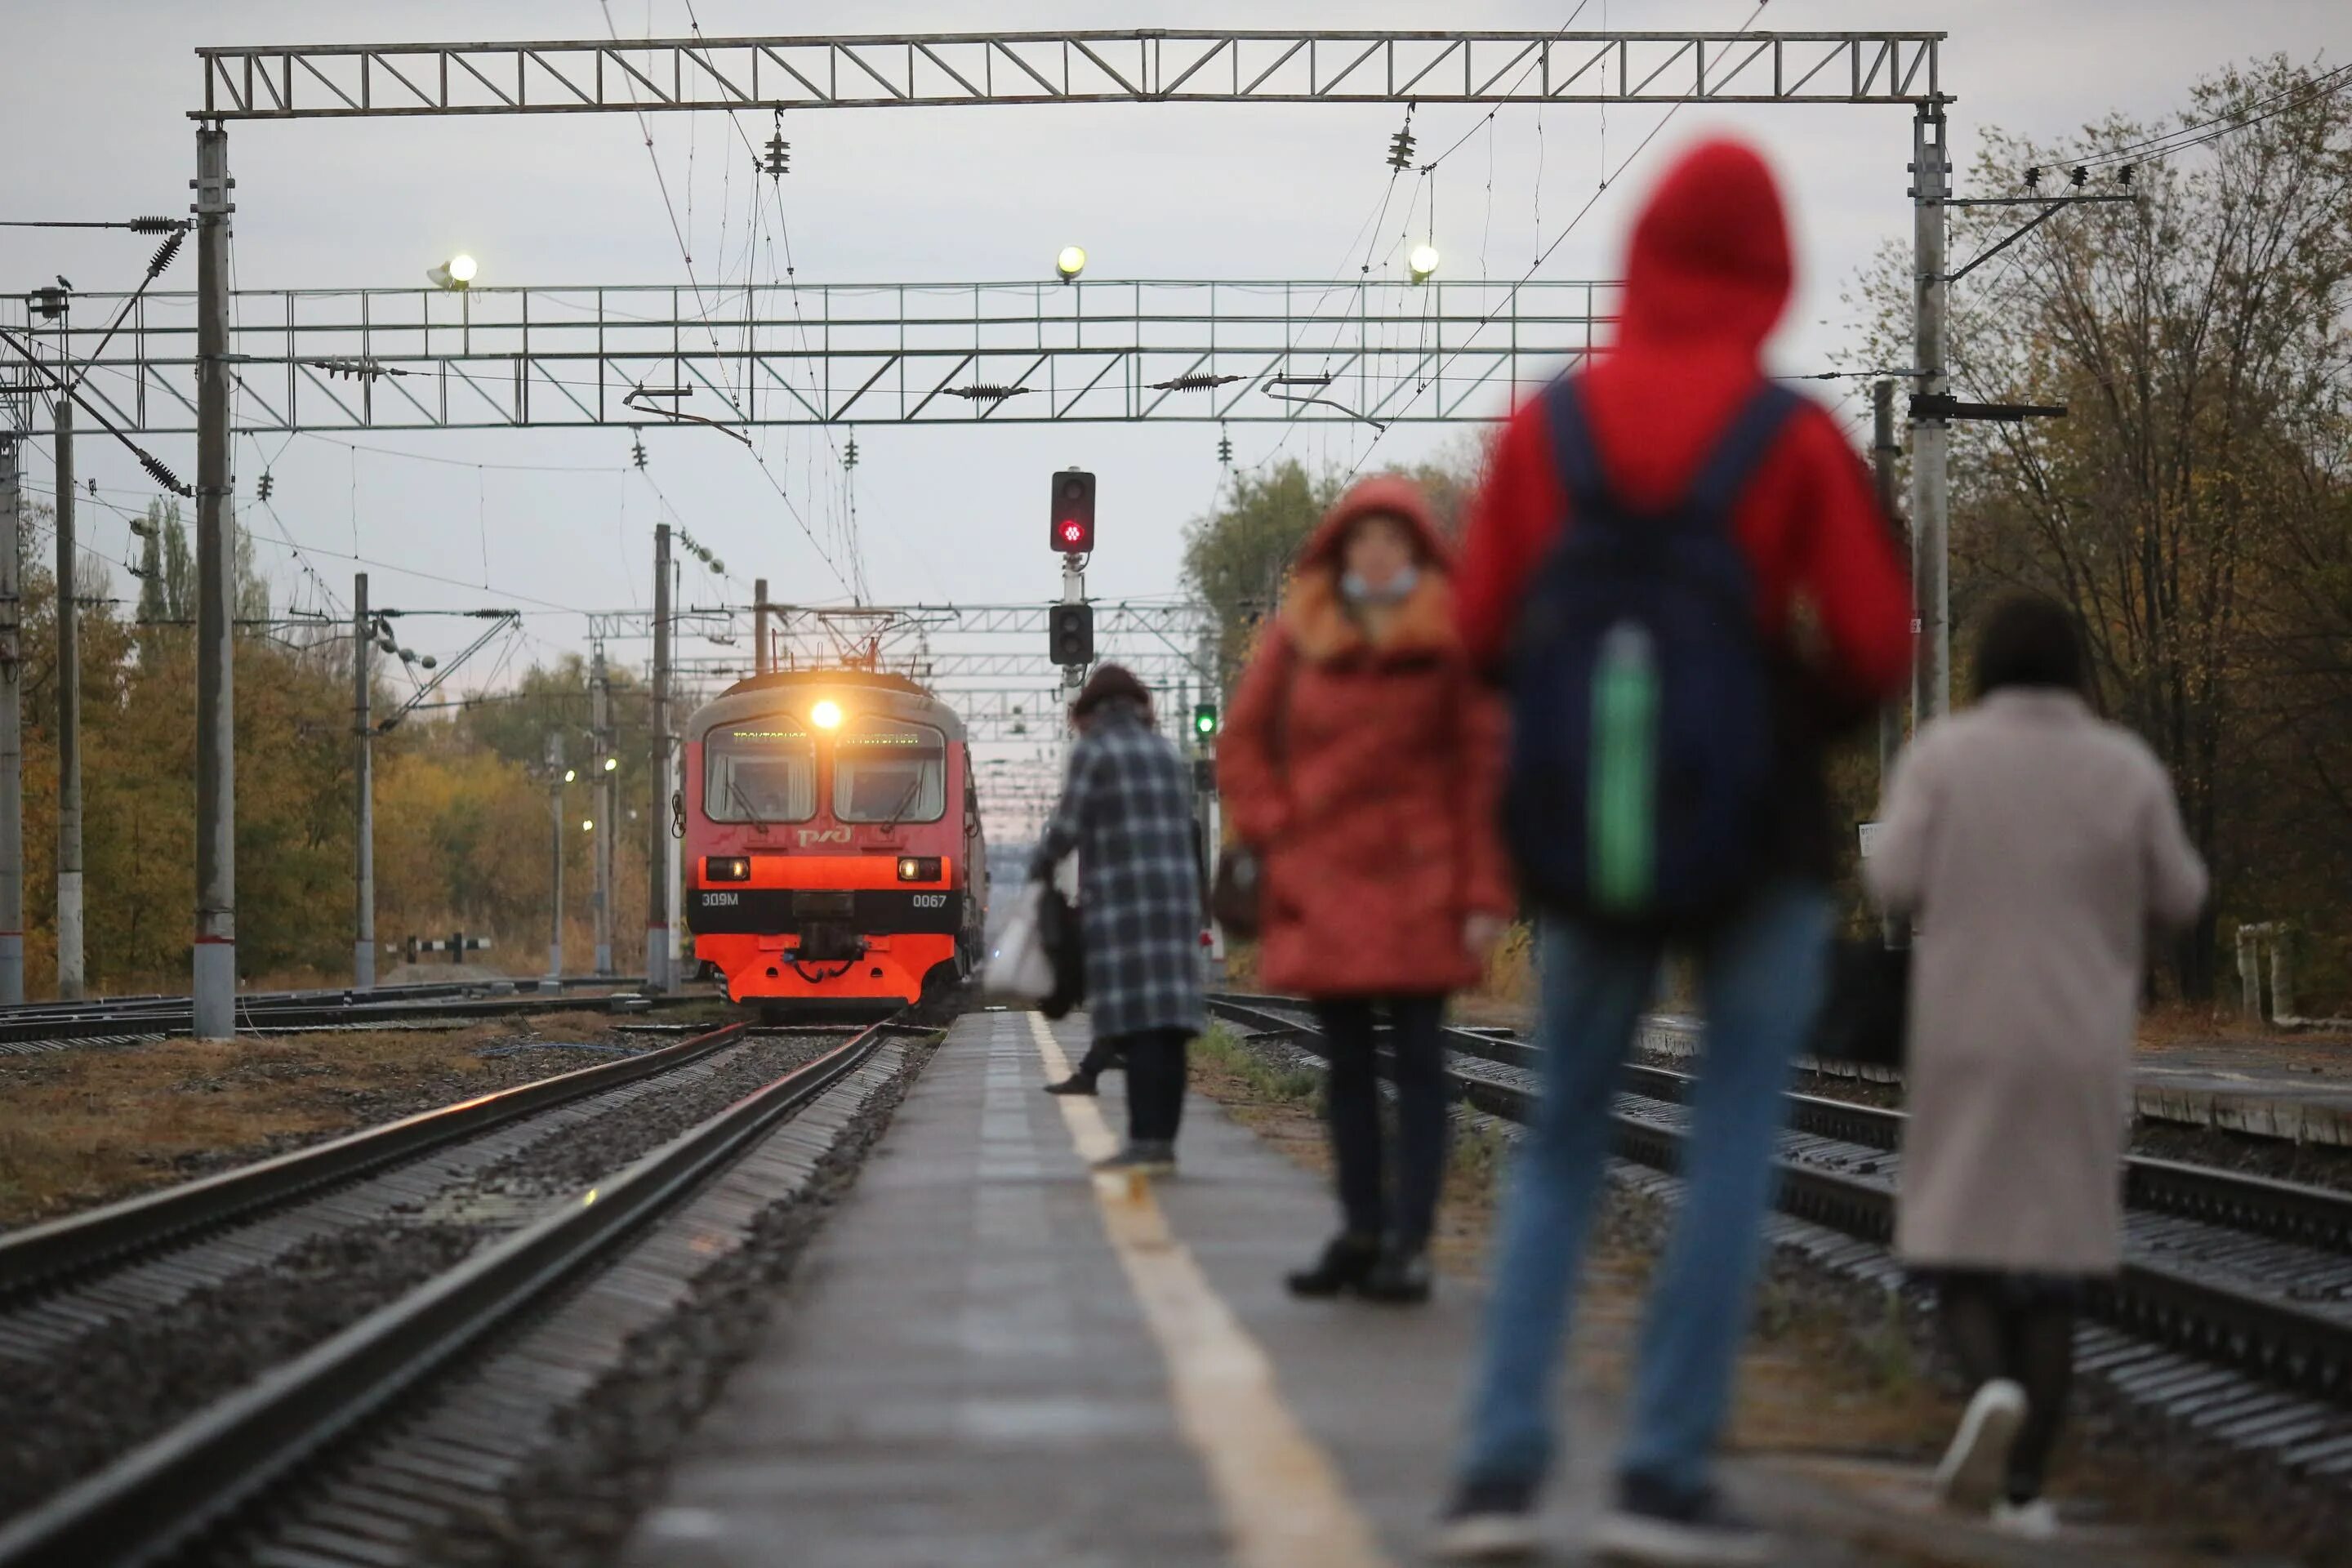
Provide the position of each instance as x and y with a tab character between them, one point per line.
1148	65
910	70
767	354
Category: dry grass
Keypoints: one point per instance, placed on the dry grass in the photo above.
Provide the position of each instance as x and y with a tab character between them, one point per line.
1806	1383
85	1126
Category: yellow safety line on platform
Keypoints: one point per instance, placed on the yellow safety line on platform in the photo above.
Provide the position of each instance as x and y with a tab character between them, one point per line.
1284	1503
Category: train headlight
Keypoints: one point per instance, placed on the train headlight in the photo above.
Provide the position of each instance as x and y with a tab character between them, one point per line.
826	715
918	869
726	869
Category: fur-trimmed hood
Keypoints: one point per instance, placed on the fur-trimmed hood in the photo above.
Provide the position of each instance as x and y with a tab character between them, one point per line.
1316	618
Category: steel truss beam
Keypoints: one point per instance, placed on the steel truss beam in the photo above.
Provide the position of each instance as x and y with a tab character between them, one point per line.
1135	66
1159	643
1003	354
1161	667
1112	616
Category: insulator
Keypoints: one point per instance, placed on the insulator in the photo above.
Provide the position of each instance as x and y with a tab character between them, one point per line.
1401	149
719	566
166	251
162	474
429	662
157	226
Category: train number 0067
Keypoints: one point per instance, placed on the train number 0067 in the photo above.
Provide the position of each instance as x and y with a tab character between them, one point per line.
930	900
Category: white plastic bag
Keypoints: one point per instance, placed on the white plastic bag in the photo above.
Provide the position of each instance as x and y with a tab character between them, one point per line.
1019	967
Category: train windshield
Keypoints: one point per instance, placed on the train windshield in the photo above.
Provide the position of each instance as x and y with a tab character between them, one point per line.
762	770
887	770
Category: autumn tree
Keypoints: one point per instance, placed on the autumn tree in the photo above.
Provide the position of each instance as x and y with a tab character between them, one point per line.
2191	508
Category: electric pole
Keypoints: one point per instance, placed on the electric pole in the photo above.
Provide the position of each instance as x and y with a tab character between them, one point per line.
1073	591
760	665
1931	181
658	804
599	721
555	854
1883	453
69	949
364	792
215	990
12	729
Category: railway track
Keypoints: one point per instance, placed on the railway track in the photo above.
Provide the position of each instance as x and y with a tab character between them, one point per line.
2233	1309
31	1027
166	1359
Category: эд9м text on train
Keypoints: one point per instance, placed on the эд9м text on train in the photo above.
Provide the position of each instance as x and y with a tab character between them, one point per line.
832	839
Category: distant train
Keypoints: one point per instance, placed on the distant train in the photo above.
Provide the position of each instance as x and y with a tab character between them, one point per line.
832	839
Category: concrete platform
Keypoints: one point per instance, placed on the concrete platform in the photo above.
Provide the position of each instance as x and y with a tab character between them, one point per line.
988	1358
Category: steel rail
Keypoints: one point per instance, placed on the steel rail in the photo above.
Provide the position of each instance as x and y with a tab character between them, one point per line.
42	1256
168	1491
407	991
34	1023
2262	1206
2275	1339
322	995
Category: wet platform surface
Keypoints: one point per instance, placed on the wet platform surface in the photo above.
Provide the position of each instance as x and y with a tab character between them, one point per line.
988	1358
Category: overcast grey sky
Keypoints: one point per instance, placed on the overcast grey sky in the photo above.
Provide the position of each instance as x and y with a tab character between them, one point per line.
94	114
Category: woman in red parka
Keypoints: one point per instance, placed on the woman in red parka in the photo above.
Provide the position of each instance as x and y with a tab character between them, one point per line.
1360	760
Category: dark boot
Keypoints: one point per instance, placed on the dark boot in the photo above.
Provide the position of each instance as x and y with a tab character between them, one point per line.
1076	1083
1346	1262
1401	1278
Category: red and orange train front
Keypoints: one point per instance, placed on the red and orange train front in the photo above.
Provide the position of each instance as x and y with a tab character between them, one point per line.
832	840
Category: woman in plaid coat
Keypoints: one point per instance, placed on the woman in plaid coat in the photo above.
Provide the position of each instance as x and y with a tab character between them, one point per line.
1126	810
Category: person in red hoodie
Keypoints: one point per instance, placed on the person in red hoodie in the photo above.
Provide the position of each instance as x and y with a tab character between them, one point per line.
1707	277
1359	761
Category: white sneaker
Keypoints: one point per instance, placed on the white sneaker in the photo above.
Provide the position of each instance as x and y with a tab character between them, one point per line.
1969	1478
2035	1520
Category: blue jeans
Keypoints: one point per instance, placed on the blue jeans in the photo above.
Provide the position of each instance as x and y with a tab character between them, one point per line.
1761	981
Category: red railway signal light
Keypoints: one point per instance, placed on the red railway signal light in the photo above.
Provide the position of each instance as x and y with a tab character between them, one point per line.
1072	515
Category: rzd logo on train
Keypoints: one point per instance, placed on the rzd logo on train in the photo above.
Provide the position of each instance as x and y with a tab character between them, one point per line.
823	836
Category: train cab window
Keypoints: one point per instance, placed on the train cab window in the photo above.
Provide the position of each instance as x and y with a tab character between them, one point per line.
762	770
887	770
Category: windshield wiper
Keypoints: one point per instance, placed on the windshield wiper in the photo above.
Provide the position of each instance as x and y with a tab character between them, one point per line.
752	812
905	803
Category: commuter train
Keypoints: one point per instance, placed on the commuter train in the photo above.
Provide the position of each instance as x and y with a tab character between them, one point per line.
833	840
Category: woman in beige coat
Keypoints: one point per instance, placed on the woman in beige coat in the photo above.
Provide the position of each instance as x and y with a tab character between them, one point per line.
2040	848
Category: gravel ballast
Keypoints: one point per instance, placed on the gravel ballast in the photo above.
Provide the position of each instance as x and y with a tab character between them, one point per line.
589	1402
86	1374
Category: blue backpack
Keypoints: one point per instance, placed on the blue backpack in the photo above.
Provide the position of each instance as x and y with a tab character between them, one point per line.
1642	736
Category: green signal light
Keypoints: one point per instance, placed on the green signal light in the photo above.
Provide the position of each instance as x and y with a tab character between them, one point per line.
1204	719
